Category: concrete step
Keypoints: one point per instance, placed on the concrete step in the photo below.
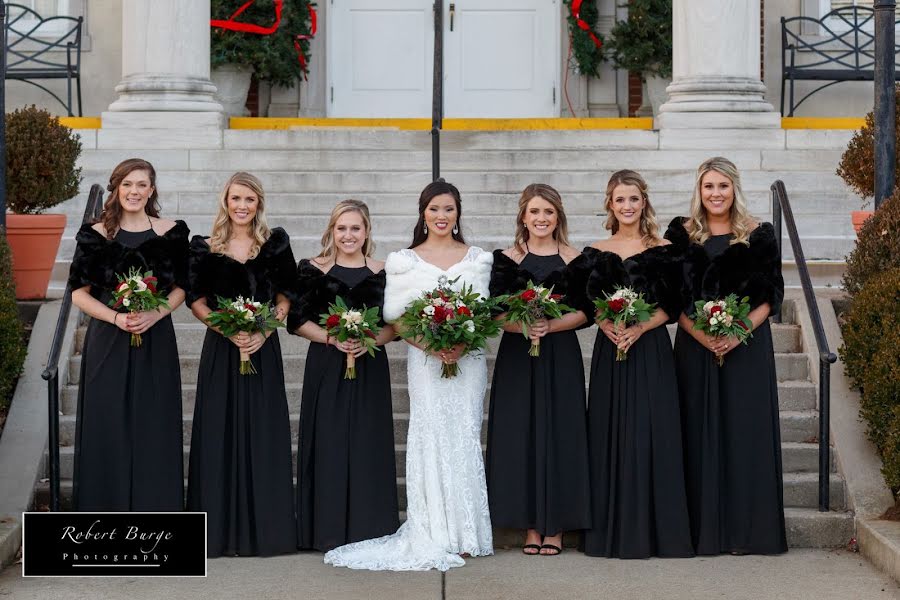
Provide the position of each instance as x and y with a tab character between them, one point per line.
190	333
788	367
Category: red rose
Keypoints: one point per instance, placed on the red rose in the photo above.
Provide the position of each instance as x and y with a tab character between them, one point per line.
441	314
556	296
528	295
252	308
463	310
333	321
617	305
369	333
743	326
715	310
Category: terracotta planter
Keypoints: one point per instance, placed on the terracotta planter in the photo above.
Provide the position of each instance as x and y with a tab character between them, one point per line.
34	241
859	217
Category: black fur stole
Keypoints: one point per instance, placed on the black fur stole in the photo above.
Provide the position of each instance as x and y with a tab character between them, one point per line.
316	290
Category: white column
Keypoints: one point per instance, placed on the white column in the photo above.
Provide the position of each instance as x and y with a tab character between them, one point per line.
715	67
165	67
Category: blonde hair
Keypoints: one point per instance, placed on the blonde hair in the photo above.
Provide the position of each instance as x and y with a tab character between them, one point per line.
542	190
741	221
222	230
647	226
329	250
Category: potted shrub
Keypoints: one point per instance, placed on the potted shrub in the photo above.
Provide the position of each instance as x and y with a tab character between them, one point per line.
856	163
40	173
643	44
273	57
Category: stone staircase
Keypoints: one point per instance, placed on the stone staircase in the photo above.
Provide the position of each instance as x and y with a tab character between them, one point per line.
305	172
797	398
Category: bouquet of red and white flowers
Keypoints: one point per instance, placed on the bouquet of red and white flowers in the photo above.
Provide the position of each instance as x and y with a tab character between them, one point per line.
137	292
723	318
247	315
532	304
343	323
624	307
443	318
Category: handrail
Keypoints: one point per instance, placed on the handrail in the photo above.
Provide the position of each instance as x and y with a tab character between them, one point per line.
437	91
781	204
51	372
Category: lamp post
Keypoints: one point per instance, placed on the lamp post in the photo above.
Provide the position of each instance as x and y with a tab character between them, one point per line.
885	140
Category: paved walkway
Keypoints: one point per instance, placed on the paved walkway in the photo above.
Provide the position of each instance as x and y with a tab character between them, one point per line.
798	575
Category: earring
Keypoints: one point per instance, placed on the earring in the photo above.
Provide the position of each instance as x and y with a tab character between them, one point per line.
425	228
455	229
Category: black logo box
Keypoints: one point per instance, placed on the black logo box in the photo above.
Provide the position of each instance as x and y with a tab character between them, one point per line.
143	544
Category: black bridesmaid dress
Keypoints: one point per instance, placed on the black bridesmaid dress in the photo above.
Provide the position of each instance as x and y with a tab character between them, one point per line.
128	445
537	455
634	432
346	470
240	464
729	414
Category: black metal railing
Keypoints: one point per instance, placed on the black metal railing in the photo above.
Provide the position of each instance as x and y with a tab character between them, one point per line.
51	372
781	208
437	91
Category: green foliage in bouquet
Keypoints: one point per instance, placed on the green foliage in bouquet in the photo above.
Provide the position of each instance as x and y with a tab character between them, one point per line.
40	161
272	57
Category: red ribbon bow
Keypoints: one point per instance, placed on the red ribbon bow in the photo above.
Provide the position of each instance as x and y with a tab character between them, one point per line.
231	25
582	24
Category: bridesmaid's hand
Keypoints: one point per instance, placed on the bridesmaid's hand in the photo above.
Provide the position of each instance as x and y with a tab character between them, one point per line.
240	339
140	322
255	341
539	329
730	343
713	343
610	330
351	346
120	320
629	336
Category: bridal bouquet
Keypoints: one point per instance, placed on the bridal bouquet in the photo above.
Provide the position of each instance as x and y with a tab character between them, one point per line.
532	304
137	292
343	323
723	318
624	307
243	314
443	318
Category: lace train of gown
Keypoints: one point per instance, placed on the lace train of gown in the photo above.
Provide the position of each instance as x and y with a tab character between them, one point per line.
447	502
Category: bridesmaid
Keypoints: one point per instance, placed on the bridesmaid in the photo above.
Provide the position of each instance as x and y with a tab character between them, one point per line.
730	419
537	457
637	480
240	464
128	447
346	472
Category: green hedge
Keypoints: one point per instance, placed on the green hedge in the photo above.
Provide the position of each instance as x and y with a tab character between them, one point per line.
12	347
872	362
877	247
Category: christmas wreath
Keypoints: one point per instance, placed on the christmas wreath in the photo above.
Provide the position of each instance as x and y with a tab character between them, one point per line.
586	45
269	36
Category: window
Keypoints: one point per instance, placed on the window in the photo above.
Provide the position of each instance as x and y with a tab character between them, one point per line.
838	24
46	9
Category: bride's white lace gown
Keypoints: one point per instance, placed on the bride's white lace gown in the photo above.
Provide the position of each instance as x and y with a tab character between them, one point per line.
447	503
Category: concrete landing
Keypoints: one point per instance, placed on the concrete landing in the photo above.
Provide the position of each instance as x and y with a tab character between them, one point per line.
797	575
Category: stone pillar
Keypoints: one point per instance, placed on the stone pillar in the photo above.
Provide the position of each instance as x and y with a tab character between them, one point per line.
165	67
715	67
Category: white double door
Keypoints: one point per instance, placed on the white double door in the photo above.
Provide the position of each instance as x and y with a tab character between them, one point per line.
501	58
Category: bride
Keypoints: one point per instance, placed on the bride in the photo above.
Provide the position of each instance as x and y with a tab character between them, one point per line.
447	503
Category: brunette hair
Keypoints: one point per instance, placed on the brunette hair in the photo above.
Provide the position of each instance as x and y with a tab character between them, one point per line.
222	230
112	208
741	221
431	191
647	226
542	190
344	206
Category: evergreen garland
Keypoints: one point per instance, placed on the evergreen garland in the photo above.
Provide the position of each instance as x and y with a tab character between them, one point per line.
586	55
272	57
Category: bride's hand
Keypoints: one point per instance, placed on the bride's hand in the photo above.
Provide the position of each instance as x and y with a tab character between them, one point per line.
451	355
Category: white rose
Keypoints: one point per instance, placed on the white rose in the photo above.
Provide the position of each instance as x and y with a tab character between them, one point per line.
470	326
352	316
140	286
708	306
428	310
126	302
713	321
728	320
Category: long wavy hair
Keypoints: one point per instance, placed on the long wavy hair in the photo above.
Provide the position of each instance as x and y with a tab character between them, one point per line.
560	233
222	230
431	191
741	221
111	215
648	226
329	249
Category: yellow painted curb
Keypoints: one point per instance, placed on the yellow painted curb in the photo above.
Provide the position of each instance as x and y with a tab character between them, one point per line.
822	122
448	125
81	122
